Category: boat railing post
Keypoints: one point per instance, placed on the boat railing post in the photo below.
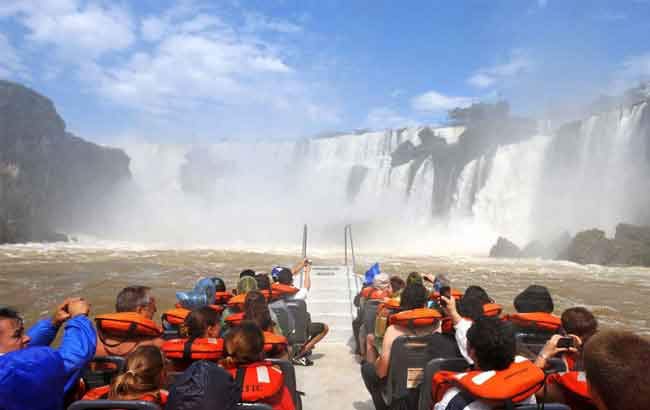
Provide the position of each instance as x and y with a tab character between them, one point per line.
304	251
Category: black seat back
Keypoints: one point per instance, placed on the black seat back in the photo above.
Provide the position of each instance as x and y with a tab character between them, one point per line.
456	364
370	314
547	406
408	357
532	342
301	319
101	370
282	314
113	404
289	373
253	406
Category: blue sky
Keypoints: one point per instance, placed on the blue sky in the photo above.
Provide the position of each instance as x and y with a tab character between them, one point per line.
198	70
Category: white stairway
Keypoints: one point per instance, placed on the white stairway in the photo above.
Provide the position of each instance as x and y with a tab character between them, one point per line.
334	382
330	300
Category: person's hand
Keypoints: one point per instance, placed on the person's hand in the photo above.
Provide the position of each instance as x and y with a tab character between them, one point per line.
551	349
451	309
78	307
61	313
429	277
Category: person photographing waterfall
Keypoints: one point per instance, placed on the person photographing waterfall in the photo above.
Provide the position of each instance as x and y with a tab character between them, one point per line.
317	330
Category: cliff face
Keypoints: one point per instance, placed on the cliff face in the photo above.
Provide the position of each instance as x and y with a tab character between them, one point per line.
49	179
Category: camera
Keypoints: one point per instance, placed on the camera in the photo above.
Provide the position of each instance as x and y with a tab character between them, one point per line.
565	342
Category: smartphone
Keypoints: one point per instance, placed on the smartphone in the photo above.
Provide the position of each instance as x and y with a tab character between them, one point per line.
565	342
446	292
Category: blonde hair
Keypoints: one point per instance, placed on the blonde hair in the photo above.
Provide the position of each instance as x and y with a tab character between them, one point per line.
144	372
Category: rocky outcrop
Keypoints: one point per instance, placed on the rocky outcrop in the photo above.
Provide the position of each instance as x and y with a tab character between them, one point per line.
504	249
49	179
630	247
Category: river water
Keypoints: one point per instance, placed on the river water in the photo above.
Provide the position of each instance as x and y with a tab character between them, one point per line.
34	277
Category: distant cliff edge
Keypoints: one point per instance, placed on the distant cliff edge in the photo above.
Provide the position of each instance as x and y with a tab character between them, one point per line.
50	180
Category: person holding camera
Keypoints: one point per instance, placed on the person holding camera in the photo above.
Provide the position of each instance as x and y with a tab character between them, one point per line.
570	385
317	330
34	375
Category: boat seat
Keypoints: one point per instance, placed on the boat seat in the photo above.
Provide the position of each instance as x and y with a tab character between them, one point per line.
456	364
101	370
289	373
301	319
253	406
113	405
408	357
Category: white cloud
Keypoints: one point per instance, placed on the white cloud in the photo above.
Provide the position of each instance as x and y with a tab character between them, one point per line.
255	22
10	63
542	3
76	29
385	117
433	101
635	69
518	63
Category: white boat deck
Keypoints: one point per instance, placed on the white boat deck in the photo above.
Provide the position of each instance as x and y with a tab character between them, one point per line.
334	382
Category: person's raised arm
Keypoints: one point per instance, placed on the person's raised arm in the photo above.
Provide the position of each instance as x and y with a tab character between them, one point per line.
307	277
44	331
79	341
298	266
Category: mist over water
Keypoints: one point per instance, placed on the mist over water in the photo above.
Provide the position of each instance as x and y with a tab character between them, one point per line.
259	194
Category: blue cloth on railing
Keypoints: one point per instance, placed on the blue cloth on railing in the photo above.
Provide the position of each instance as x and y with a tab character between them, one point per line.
371	273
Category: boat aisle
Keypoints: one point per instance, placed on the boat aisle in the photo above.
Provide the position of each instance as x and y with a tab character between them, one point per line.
334	382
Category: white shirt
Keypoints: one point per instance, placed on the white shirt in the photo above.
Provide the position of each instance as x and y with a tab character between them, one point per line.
461	337
471	404
301	294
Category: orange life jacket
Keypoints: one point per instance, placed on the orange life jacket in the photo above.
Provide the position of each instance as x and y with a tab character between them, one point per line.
237	301
575	382
455	293
537	320
197	349
489	309
216	308
284	290
101	393
415	317
371	293
221	298
176	316
274	343
270	295
492	309
516	383
127	325
258	381
235	319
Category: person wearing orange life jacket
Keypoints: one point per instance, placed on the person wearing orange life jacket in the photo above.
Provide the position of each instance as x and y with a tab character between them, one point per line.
499	376
570	386
616	367
118	334
413	301
260	380
534	306
379	291
142	379
317	330
257	310
462	313
200	339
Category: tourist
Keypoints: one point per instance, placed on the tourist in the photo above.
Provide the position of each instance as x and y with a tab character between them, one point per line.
375	370
534	298
35	376
132	299
317	330
616	363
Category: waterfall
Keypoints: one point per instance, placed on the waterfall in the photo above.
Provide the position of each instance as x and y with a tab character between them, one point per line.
592	173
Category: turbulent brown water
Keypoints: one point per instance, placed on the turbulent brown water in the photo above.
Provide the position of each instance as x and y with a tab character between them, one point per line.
33	278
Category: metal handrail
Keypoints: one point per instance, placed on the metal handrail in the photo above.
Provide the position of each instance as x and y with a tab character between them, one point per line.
347	233
304	251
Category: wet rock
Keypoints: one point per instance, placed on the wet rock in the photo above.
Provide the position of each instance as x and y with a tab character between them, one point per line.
630	247
505	249
50	180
